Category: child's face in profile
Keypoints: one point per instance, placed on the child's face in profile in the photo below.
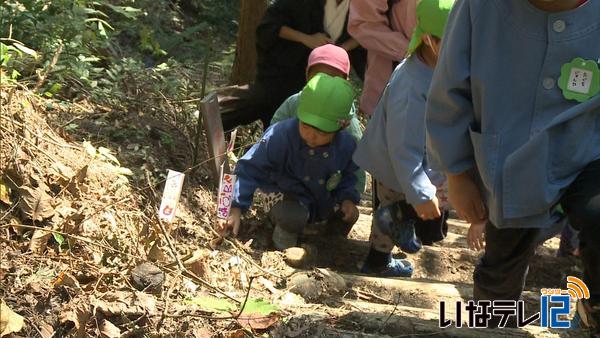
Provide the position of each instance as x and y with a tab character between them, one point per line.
314	137
322	68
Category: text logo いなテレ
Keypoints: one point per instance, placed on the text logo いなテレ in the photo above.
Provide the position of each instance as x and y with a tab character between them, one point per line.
555	308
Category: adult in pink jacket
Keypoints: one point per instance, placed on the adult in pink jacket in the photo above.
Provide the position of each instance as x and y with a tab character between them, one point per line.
384	28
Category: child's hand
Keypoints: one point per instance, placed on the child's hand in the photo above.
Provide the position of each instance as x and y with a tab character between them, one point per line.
232	223
464	195
350	212
429	210
476	236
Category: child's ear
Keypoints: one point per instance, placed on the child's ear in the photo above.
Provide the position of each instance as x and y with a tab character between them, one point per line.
428	40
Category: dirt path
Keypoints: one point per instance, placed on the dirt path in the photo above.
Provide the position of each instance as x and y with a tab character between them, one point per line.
374	307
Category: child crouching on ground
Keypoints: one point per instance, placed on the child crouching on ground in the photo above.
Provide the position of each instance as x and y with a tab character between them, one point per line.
393	151
303	165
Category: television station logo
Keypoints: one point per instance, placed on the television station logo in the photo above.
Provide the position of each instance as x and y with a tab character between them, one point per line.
555	308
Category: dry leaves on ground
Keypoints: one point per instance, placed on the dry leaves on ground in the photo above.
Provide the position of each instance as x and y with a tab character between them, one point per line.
10	322
36	203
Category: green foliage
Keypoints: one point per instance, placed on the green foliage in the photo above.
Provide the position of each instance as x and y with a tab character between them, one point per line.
140	57
210	303
260	306
104	39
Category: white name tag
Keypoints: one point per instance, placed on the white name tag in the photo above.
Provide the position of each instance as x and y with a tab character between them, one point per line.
171	194
580	80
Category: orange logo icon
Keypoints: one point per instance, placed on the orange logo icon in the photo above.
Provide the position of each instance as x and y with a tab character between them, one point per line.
577	288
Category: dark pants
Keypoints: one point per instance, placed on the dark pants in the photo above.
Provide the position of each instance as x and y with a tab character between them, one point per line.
293	217
501	272
246	104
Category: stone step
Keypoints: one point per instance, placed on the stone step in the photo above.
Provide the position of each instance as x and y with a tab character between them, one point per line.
422	293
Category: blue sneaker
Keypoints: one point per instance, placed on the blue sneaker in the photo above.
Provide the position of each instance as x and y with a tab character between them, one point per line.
394	268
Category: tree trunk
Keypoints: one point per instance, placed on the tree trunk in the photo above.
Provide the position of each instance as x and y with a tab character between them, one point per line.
244	66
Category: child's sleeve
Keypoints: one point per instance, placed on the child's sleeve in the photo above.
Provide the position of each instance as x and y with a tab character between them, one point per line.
450	110
253	170
405	133
368	23
277	15
287	110
346	190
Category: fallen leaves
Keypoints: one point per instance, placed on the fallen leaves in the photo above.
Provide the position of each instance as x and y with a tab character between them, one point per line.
104	310
256	321
66	279
257	314
109	330
129	304
61	173
212	304
10	322
39	241
46	330
37	204
5	194
76	314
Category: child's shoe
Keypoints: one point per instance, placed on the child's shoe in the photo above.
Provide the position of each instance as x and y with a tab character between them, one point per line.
394	268
391	221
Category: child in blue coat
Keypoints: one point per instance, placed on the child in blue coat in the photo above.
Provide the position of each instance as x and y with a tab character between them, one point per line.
393	151
513	120
304	165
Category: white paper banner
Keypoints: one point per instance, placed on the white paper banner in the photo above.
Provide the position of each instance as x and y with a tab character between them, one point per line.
225	196
171	194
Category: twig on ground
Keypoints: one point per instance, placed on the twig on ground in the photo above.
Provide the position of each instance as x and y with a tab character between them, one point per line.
170	245
167	298
66	235
32	324
9	210
49	139
236	316
30	143
372	295
184	270
390	316
244	255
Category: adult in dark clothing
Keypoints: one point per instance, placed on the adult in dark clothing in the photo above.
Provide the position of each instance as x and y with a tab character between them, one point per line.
286	35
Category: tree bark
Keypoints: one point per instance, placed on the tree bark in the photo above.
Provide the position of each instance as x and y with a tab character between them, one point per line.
244	66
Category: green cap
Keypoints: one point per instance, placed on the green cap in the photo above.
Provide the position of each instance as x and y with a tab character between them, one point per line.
325	103
431	19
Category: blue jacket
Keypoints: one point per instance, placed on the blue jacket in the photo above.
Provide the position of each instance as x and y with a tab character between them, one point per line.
393	146
282	162
494	104
289	109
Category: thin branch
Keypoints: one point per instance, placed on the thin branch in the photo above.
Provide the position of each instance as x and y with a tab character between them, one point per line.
43	77
390	316
66	235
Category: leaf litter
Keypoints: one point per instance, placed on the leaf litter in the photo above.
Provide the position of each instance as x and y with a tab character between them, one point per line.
74	226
